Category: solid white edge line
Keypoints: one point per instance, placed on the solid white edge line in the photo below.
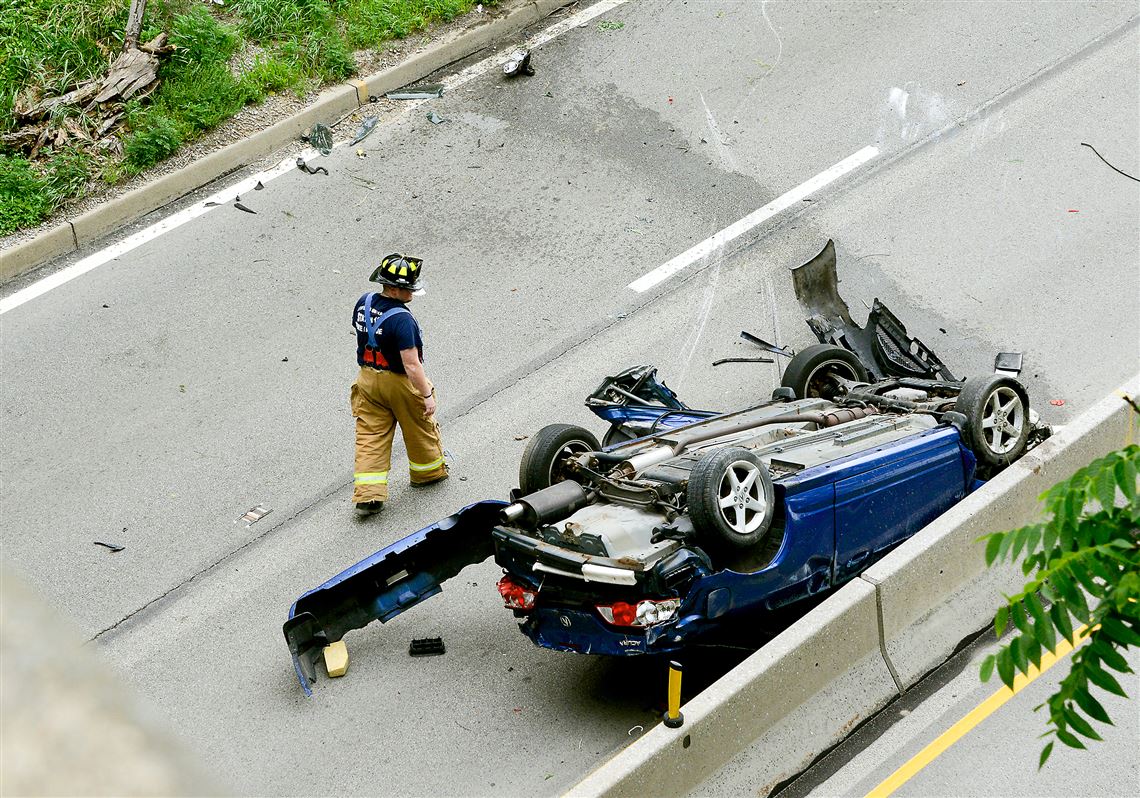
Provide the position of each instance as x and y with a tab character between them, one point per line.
739	228
226	195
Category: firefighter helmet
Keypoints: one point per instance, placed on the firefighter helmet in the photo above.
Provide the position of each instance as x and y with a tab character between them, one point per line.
400	271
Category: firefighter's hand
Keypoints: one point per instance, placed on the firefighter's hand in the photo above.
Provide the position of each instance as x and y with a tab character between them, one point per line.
429	406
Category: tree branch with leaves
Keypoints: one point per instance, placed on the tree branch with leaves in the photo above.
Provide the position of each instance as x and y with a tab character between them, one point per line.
1085	565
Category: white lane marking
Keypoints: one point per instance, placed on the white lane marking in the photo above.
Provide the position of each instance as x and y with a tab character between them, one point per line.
175	220
737	229
226	195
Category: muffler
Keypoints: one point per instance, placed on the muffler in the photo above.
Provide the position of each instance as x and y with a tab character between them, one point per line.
546	506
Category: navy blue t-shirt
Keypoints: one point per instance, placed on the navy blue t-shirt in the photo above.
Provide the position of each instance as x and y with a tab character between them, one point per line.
399	331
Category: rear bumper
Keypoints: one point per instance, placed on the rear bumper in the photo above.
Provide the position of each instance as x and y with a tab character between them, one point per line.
583	632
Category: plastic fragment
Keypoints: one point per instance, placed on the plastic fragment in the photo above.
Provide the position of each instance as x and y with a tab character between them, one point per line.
1057	402
241	207
435	118
259	187
253	515
367	126
310	170
426	647
321	138
425	92
114	547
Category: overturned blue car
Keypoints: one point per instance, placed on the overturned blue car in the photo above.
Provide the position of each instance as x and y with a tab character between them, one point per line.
684	522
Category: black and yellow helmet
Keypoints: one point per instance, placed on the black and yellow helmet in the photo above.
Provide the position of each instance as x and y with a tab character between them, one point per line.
401	271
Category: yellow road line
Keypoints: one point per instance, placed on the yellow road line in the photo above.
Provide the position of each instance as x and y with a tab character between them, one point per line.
975	716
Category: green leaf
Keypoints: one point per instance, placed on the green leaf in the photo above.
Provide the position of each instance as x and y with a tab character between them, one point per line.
1049	536
1080	725
1061	619
1106	489
1005	667
1034	538
1032	649
1110	656
1042	627
1118	631
1082	575
992	546
1090	705
988	669
1006	541
1069	739
1020	620
1125	472
1048	749
1001	619
1101	678
1017	651
1019	538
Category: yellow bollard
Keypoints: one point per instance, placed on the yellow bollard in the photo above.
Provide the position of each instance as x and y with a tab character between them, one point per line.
673	716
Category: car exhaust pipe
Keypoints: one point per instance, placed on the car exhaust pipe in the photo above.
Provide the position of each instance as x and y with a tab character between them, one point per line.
546	506
823	420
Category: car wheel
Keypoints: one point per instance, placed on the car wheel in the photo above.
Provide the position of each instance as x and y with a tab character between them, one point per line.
546	454
997	418
731	498
614	435
810	372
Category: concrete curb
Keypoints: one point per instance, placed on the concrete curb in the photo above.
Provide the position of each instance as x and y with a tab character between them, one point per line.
332	103
877	636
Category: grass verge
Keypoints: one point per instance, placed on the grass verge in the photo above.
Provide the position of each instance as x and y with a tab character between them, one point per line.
225	57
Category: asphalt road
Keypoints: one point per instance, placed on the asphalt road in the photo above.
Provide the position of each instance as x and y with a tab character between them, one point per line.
1000	753
154	400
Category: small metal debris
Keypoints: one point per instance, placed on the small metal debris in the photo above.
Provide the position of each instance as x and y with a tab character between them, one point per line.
310	170
112	546
637	729
518	64
426	647
765	345
284	360
241	207
259	187
435	118
106	305
367	126
521	437
426	92
321	138
211	204
251	517
743	360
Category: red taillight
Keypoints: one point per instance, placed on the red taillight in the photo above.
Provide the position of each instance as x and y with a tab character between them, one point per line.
624	614
515	596
646	612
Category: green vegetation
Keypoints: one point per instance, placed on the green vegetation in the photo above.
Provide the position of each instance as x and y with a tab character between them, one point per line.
225	57
1085	561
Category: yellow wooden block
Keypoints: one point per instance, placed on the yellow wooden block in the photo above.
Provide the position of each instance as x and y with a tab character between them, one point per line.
336	658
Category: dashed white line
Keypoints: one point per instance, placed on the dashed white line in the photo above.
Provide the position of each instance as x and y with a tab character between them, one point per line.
226	195
737	229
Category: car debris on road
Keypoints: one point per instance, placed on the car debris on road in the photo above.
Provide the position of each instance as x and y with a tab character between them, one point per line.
518	64
426	92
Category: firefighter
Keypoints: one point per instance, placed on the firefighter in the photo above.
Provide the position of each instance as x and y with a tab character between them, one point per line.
392	387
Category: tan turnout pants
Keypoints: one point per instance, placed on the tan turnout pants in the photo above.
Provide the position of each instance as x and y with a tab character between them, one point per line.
381	400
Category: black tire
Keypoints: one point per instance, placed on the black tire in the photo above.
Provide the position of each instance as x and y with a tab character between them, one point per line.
548	450
736	526
807	373
997	418
616	434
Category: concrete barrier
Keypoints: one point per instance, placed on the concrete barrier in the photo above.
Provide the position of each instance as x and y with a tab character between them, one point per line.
935	590
329	105
771	716
792	699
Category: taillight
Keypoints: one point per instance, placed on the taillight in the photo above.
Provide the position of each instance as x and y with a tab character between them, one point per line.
644	613
515	596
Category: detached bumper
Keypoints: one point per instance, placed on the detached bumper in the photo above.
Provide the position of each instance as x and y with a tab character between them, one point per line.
387	583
